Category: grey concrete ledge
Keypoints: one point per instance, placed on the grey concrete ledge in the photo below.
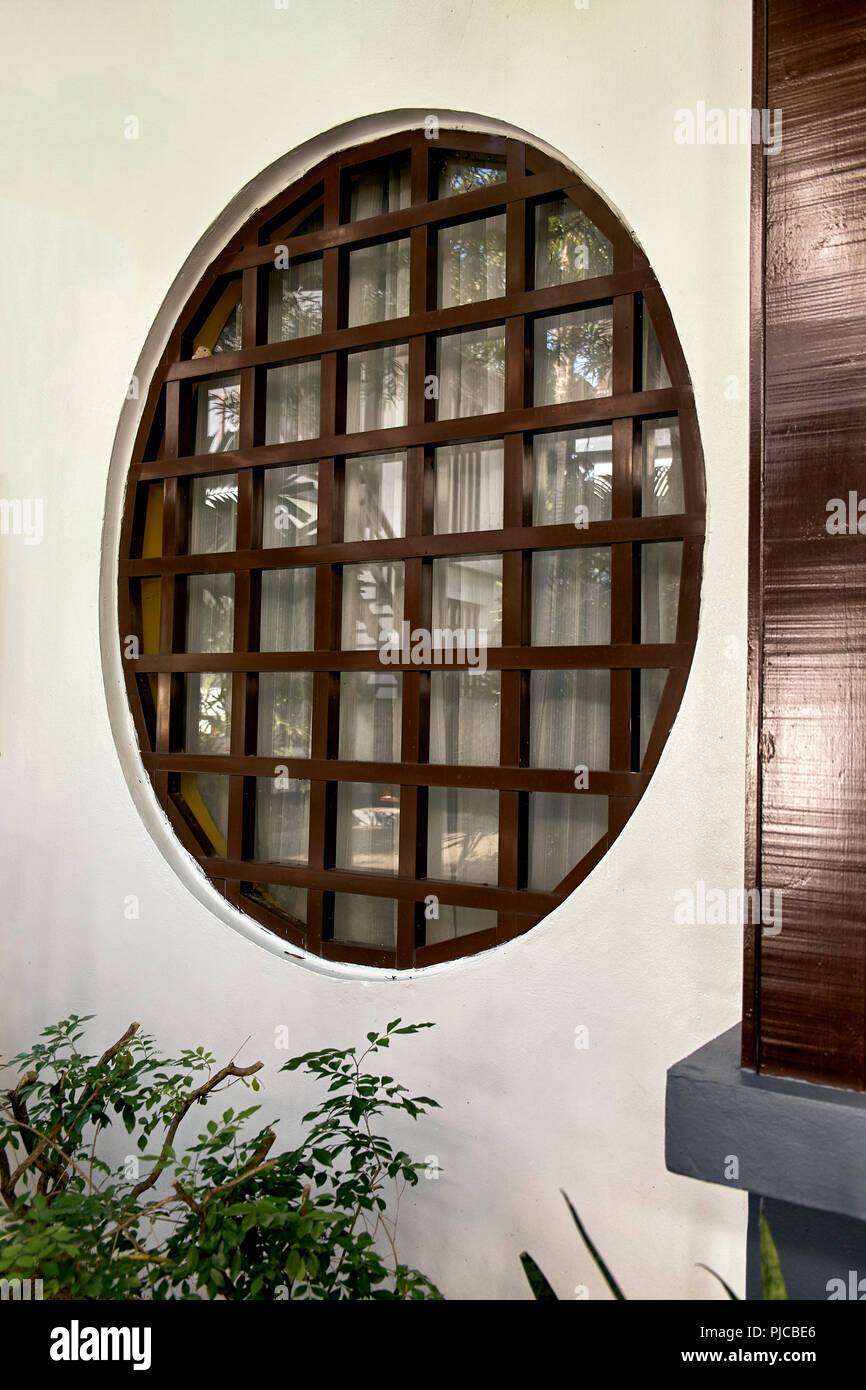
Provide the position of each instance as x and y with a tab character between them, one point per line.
790	1140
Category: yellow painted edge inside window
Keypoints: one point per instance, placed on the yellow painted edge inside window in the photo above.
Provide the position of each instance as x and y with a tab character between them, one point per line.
194	800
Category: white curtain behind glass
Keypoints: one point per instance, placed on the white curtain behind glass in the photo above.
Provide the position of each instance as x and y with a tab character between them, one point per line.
285	714
572	471
467	598
291	505
368	827
471	262
295	301
376	383
464	717
379	282
571	597
569	719
366	920
210	605
217	414
292	403
213	510
471	372
660	590
372	605
282	820
463	834
562	829
568	246
386	187
375	497
662	484
370	716
468	487
288	609
573	356
458	921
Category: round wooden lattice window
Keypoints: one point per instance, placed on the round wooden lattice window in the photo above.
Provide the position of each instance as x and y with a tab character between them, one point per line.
412	548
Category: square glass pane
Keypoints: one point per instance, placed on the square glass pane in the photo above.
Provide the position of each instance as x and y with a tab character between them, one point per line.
467	602
655	373
376	385
660	590
471	372
282	897
365	921
368	827
464	717
210	612
468	486
662	484
471	263
379	282
207	796
463	834
213	513
460	173
208	706
457	921
383	187
372	605
562	829
371	716
291	505
573	355
571	597
282	820
652	683
288	609
569	719
375	497
217	414
572	476
295	301
292	402
568	245
285	714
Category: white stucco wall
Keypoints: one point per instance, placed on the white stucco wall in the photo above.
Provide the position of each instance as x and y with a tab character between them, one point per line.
95	230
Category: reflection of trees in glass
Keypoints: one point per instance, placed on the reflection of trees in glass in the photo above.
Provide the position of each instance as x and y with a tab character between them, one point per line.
461	174
214	712
472	261
292	402
379	282
568	246
376	388
295	301
291	505
218	416
286	699
573	355
572	469
229	339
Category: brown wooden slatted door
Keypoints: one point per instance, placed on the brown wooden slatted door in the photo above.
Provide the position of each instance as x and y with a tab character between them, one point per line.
805	987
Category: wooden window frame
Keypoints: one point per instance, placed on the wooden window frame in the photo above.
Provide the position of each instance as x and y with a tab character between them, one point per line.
162	455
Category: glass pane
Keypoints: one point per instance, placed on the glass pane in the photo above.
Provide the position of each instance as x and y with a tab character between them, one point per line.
472	261
370	716
572	481
365	920
376	388
283	897
652	683
288	609
468	487
471	371
368	827
210	612
375	497
217	414
569	719
379	282
229	339
662	491
291	505
213	510
386	187
571	597
568	246
458	921
282	820
655	373
463	834
207	796
660	590
208	712
461	173
285	714
292	403
464	717
562	829
295	301
573	355
372	605
467	602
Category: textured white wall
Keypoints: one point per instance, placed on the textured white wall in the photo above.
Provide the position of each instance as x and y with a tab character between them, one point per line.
95	230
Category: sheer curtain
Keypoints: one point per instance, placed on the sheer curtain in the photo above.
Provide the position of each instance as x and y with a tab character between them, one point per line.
573	355
662	490
372	605
572	470
471	372
210	612
213	511
291	505
467	598
285	714
376	383
471	262
366	920
562	829
292	402
457	921
464	717
368	827
655	373
468	487
375	497
295	301
463	834
217	414
370	716
384	187
661	564
569	724
379	282
282	820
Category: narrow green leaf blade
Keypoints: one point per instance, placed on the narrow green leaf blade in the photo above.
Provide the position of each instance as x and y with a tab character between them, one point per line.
771	1270
537	1282
605	1272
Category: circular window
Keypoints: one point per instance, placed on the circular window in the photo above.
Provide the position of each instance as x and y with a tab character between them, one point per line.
411	550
